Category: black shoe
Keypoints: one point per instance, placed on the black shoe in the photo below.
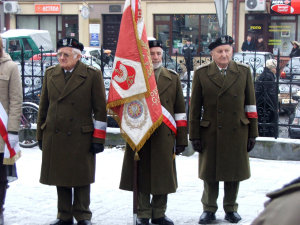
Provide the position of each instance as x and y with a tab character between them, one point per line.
162	221
142	221
207	217
232	217
84	222
1	218
62	222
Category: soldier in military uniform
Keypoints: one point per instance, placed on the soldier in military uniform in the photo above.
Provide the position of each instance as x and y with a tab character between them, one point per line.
71	130
156	167
189	50
283	206
223	127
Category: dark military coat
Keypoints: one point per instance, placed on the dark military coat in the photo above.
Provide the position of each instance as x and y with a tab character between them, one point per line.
282	208
65	124
218	119
156	167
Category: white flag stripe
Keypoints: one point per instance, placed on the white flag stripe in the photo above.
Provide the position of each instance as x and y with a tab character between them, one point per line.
3	115
100	125
250	108
180	116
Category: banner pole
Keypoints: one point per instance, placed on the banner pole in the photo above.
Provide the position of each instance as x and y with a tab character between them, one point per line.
135	190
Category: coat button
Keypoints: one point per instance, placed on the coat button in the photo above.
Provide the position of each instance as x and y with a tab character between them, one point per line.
69	133
56	131
220	127
219	110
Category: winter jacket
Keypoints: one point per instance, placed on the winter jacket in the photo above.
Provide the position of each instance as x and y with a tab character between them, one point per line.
295	52
10	94
218	118
156	167
65	124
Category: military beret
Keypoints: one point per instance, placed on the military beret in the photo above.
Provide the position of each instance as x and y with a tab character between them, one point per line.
223	40
154	43
69	42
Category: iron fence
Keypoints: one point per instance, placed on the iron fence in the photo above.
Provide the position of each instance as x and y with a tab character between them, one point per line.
277	101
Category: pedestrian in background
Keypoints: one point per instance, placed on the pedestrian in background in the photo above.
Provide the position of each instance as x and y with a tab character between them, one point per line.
261	45
156	167
223	127
11	100
189	50
248	44
295	50
71	130
283	206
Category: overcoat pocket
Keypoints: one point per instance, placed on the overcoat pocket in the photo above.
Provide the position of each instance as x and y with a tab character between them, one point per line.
245	121
204	123
87	128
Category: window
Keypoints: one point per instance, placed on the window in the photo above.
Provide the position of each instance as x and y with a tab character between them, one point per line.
175	30
27	46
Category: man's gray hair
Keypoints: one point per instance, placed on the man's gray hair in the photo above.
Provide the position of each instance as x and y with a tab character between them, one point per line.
76	52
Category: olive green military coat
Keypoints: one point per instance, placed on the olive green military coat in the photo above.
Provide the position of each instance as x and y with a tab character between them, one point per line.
282	208
65	124
218	119
156	167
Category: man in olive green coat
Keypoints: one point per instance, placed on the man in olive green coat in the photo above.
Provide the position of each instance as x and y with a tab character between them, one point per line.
71	129
223	127
283	206
156	167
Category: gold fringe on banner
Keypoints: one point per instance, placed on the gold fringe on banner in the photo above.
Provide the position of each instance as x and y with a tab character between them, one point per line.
11	161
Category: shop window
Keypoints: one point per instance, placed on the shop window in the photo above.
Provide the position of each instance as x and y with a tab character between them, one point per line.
175	30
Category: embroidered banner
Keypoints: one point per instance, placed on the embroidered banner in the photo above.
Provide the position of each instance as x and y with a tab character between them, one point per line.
11	153
133	95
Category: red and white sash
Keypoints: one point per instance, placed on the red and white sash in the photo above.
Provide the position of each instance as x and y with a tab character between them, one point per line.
179	121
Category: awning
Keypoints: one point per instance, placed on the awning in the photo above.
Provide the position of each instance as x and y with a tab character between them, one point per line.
285	7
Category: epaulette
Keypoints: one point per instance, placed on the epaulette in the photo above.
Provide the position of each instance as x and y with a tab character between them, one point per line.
202	66
172	71
50	67
242	64
92	67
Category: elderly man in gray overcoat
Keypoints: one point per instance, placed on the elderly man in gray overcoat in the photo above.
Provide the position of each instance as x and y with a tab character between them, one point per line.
71	128
223	127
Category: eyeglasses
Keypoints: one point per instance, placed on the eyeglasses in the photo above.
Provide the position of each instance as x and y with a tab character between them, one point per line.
61	54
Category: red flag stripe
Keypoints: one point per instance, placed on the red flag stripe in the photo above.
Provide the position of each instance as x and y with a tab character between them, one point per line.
4	135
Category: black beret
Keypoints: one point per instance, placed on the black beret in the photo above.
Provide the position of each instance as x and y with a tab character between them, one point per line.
223	40
154	43
69	42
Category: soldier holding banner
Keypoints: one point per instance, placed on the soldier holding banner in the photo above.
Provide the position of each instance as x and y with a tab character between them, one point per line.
10	112
156	167
71	129
223	127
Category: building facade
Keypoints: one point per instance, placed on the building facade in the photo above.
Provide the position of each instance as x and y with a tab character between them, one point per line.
97	23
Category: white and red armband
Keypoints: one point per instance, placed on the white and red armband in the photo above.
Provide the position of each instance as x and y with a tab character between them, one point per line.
250	111
99	129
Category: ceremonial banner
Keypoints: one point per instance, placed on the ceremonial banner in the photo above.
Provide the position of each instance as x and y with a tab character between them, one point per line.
133	95
11	153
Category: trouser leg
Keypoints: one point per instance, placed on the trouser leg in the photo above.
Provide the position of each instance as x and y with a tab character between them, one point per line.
64	203
3	183
81	204
210	196
144	209
231	190
159	205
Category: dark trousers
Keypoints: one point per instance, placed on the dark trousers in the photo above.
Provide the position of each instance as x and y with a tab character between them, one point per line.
3	182
211	193
73	202
151	208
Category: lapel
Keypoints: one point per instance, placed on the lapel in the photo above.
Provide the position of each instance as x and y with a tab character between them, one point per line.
214	75
77	78
164	81
232	75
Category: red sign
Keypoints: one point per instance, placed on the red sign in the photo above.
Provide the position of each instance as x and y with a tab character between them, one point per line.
285	6
47	8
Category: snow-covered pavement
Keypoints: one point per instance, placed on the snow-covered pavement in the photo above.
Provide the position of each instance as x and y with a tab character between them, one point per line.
31	203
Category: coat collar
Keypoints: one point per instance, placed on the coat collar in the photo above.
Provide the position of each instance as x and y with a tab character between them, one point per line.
164	80
232	74
77	78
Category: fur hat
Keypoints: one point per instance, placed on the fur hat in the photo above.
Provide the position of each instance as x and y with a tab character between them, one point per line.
296	43
271	63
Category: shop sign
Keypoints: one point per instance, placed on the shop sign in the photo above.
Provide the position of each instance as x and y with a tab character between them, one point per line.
47	8
255	27
285	6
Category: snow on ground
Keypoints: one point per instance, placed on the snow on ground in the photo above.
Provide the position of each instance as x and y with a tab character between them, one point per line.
31	203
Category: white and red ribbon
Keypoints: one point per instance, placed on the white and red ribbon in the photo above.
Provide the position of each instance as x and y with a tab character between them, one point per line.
250	111
179	121
99	129
9	151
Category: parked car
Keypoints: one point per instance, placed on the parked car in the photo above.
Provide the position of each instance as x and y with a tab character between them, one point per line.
292	69
294	130
256	60
286	97
170	63
95	53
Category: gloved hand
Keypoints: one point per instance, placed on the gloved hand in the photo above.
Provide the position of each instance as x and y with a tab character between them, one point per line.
179	149
251	143
96	148
13	139
197	145
40	142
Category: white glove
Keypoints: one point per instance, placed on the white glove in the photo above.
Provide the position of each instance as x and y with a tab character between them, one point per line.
13	139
